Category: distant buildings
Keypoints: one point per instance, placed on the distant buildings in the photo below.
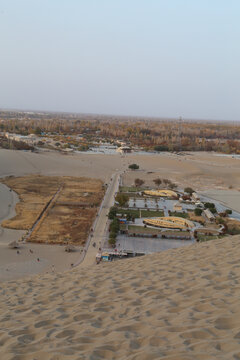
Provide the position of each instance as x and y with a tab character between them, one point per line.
124	149
29	139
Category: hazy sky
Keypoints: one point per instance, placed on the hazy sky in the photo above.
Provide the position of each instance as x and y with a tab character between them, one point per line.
129	57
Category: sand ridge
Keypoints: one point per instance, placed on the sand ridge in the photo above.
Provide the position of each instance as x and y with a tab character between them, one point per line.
179	304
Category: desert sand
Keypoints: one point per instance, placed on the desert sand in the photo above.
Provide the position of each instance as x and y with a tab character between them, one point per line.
201	170
230	198
176	305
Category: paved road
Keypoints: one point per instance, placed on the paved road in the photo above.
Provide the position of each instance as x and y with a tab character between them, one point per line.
100	225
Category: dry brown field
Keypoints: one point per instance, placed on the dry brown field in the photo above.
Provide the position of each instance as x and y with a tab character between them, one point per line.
68	218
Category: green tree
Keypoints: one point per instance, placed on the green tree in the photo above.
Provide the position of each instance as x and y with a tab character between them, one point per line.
161	148
133	167
210	206
189	190
114	226
122	199
112	213
112	241
198	212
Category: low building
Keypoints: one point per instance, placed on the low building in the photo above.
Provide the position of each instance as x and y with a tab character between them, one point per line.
195	197
177	207
208	215
124	149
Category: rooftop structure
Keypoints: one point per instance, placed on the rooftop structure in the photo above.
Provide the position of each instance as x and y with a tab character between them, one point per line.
177	206
161	193
208	215
195	197
170	222
124	149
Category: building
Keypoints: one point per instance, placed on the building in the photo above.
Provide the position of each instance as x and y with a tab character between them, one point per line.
161	193
208	215
195	197
177	207
124	149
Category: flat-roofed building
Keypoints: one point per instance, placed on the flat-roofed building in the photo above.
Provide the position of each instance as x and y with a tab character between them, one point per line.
195	196
177	206
208	215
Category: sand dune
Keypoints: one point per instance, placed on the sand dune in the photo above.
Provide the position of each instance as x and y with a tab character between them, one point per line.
176	305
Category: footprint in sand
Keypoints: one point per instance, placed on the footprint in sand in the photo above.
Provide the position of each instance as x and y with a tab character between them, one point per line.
226	323
43	323
65	333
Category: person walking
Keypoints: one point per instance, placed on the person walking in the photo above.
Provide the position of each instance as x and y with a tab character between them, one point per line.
99	256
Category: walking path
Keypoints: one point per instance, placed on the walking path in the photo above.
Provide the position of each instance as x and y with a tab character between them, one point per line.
42	215
98	234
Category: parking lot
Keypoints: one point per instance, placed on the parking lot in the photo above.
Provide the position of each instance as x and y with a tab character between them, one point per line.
148	245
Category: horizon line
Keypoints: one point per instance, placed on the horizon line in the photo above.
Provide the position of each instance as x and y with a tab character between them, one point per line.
142	117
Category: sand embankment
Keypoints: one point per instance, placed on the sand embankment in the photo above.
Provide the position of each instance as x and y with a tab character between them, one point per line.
177	305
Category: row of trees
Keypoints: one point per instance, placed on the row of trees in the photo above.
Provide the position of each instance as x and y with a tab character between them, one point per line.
150	134
158	182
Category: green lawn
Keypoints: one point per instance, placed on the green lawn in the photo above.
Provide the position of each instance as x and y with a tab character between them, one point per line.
144	230
130	189
150	213
144	213
203	238
179	214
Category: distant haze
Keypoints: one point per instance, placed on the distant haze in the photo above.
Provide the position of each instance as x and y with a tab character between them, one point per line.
139	57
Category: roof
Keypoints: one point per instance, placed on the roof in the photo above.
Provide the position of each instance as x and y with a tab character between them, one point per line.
163	193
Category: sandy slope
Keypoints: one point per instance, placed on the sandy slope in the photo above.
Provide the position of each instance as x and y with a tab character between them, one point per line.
179	304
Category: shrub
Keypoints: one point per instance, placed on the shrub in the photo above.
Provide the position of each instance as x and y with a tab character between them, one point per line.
189	190
114	226
112	241
133	167
220	221
122	199
161	148
198	212
112	213
210	206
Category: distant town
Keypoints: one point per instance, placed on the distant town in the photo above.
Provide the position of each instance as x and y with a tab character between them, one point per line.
98	133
